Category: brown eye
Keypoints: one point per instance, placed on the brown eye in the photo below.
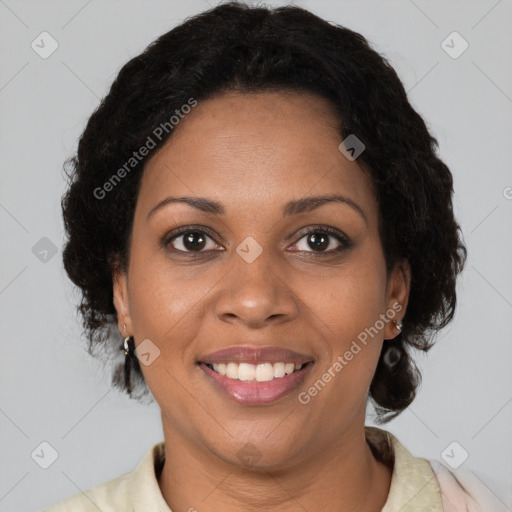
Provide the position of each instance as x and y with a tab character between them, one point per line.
318	241
190	240
322	241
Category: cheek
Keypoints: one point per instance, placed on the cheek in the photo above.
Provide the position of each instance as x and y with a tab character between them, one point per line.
164	308
352	309
351	300
160	295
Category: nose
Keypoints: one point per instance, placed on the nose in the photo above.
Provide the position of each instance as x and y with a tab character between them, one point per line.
256	294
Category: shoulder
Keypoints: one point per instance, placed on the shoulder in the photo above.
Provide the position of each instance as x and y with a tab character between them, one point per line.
420	484
128	492
414	487
104	497
464	490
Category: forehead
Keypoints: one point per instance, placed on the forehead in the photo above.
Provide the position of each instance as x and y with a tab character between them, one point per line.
250	150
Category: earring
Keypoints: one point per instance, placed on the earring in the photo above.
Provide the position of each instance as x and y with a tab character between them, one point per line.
398	326
126	341
127	364
126	347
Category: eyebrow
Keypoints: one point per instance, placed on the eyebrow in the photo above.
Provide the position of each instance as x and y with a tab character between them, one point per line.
294	207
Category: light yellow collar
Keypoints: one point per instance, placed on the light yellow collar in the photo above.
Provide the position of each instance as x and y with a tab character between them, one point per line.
414	486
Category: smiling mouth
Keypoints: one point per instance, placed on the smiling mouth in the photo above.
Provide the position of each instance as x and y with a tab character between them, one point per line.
263	372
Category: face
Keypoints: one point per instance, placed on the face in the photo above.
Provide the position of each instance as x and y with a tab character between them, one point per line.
259	269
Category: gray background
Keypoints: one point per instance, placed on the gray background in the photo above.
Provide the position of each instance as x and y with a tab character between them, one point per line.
52	391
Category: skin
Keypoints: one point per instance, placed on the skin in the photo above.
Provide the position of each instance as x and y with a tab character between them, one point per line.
253	153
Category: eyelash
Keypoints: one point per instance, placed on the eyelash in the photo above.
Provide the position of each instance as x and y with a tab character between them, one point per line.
344	240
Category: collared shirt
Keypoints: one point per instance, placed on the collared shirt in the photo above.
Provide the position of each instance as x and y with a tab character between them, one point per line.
417	484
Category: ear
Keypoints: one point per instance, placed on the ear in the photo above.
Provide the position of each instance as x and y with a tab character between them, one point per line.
121	302
397	296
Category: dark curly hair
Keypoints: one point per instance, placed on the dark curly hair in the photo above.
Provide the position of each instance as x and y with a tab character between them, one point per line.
236	47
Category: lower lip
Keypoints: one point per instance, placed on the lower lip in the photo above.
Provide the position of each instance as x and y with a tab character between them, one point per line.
257	393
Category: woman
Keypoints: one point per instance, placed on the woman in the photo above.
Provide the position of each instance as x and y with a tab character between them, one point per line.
262	215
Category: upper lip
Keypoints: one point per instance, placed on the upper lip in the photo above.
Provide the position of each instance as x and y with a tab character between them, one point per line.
255	355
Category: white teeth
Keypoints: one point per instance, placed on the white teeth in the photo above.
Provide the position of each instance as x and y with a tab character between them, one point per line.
246	371
279	370
220	368
263	372
232	370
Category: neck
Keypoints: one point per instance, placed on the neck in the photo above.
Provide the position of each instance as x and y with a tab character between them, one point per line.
333	478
